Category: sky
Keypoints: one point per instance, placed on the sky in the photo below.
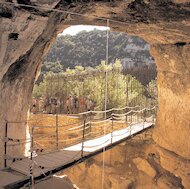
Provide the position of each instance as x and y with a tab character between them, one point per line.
73	30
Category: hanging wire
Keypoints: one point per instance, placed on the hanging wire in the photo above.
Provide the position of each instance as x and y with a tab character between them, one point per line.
106	68
45	8
106	93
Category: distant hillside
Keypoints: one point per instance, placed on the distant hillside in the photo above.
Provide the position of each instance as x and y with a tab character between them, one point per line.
89	48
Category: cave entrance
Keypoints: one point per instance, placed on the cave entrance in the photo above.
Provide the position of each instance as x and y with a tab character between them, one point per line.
73	80
78	56
73	76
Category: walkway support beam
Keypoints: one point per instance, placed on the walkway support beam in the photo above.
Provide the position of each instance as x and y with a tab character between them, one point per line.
112	128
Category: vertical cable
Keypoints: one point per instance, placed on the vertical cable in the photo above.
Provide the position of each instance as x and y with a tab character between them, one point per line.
106	91
106	66
46	97
51	88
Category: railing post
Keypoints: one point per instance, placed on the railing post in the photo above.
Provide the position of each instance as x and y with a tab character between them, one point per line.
90	129
32	141
141	107
139	116
154	114
31	159
112	128
126	117
5	145
57	130
130	126
31	175
135	118
83	138
144	119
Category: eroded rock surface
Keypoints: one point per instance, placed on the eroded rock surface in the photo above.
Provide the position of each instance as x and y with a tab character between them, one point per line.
137	163
27	32
173	64
56	182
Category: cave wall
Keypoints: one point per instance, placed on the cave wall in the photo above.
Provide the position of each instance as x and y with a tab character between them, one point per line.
137	163
20	59
26	33
173	119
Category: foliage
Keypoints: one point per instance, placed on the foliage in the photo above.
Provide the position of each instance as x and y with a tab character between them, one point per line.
89	48
54	67
123	89
84	51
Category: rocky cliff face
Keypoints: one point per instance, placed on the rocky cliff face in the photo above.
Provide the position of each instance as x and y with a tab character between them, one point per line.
24	38
174	93
138	163
26	33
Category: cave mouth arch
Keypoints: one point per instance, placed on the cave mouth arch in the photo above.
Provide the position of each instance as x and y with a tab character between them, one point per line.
81	48
125	72
168	35
169	39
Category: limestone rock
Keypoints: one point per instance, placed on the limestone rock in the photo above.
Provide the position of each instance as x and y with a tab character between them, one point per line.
26	34
176	165
144	166
173	119
55	182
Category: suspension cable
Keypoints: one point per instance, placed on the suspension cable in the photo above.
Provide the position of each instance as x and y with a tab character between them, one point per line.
106	68
106	93
64	11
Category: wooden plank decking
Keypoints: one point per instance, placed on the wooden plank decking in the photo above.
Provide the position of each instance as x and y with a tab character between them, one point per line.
55	160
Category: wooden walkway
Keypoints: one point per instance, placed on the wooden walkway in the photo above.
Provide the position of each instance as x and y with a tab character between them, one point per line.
7	178
56	161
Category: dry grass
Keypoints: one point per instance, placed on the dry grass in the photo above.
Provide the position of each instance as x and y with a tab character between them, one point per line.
45	130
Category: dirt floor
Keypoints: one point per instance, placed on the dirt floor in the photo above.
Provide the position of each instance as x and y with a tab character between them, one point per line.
70	129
